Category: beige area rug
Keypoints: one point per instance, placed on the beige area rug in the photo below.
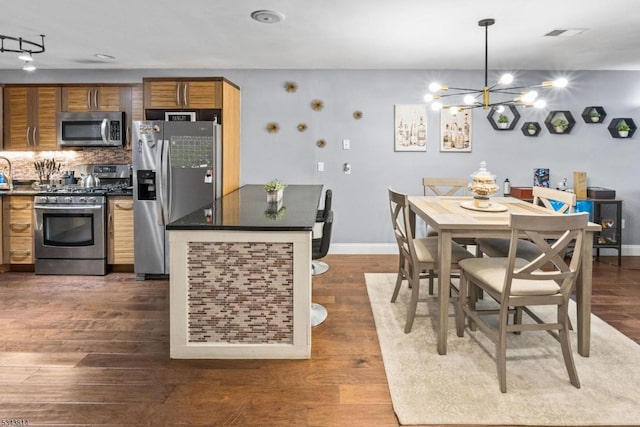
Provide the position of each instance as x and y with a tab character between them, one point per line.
462	386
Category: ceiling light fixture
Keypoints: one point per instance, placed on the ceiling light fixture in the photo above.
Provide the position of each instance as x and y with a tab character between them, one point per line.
26	49
473	98
267	16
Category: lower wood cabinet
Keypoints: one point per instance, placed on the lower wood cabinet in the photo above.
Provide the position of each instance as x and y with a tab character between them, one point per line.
18	229
120	228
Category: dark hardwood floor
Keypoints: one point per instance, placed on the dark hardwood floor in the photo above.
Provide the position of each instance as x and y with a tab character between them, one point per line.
94	351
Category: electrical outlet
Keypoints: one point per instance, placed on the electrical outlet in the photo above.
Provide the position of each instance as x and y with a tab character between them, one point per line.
320	166
346	144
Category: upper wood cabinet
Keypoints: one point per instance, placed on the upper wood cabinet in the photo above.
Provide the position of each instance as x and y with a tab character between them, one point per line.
94	98
179	93
30	117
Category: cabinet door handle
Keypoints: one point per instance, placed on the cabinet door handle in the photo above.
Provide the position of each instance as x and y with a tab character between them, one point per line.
19	206
185	95
35	139
178	87
19	226
126	206
28	131
89	99
110	222
20	251
95	99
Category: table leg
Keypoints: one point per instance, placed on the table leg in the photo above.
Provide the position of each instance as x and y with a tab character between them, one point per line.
583	296
444	280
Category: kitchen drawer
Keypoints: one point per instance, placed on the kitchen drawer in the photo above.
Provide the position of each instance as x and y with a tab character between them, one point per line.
20	250
20	228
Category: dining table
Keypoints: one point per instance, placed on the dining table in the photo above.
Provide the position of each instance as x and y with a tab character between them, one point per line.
457	217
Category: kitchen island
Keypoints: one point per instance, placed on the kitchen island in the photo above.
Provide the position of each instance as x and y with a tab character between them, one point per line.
241	276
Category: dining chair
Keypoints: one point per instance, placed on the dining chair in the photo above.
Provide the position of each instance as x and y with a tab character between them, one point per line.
517	283
320	267
542	196
418	257
445	186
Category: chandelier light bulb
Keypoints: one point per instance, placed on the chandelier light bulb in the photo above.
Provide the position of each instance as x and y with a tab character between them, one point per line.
26	57
500	108
469	99
428	97
540	103
506	79
561	82
454	109
435	87
436	106
529	97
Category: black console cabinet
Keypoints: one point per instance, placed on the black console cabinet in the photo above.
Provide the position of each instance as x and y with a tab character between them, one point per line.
608	213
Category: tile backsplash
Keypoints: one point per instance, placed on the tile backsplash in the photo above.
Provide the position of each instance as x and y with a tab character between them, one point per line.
22	161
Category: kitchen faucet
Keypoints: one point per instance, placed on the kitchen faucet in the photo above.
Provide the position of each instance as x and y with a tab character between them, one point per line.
7	181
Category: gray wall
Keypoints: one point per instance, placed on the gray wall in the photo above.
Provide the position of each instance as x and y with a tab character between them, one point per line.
360	202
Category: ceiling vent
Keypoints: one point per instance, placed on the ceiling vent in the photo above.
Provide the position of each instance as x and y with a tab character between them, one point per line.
565	33
267	16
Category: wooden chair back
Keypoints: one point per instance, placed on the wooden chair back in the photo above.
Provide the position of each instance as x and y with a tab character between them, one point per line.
402	228
551	264
445	186
542	196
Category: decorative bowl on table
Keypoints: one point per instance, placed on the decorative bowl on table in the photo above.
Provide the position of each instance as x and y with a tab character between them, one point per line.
483	186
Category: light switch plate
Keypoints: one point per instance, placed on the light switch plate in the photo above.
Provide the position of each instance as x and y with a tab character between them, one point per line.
346	144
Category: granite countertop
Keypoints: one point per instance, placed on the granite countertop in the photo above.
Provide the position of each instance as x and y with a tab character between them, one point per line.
246	209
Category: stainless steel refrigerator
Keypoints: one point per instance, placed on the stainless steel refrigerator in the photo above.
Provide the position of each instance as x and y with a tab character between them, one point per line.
176	170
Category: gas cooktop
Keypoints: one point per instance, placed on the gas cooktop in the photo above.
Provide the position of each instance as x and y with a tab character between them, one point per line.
78	189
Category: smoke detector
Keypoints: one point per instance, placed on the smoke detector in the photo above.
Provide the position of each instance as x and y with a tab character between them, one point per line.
267	16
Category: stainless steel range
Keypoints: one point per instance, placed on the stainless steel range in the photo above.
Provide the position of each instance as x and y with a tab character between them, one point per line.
70	235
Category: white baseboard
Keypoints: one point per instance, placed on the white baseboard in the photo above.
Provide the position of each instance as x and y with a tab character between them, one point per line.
392	248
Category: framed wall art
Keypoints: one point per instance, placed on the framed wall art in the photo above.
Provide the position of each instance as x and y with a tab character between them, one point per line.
411	127
455	130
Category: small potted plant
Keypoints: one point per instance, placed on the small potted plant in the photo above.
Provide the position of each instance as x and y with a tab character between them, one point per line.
595	116
275	190
623	129
560	125
532	128
503	121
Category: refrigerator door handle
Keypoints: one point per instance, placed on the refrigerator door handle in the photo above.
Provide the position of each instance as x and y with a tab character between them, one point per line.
160	182
164	178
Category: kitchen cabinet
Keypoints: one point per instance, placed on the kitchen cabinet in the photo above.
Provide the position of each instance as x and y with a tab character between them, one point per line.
608	213
120	225
211	98
94	98
30	117
182	93
18	229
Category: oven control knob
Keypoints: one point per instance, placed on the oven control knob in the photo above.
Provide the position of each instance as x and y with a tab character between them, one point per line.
68	199
82	199
52	199
91	199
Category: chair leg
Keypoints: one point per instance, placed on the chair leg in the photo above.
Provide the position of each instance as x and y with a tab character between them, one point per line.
501	348
563	335
431	282
462	300
396	290
413	304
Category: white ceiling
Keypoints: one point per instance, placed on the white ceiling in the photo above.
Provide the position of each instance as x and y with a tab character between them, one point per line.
317	34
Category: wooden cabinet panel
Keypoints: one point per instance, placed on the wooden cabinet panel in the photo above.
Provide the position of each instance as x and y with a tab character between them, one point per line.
18	230
30	117
93	98
120	230
179	94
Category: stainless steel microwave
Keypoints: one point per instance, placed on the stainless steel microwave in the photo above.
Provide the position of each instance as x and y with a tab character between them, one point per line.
91	129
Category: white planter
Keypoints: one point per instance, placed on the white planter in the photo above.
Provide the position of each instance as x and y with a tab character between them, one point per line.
531	131
623	133
559	129
275	196
503	125
595	119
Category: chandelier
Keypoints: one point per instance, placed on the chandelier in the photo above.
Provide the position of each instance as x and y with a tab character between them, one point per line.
24	47
472	98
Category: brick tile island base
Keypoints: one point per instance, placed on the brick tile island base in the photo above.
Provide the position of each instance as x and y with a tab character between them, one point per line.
241	278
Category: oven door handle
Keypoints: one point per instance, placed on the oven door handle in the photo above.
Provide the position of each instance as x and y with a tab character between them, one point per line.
67	207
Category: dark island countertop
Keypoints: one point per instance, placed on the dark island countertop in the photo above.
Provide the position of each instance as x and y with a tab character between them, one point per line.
246	209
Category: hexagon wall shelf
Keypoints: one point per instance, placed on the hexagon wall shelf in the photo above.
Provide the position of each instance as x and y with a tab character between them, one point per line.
533	131
513	115
615	122
559	115
586	114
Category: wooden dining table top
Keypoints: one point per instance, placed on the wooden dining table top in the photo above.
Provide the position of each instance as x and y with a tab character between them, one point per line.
447	212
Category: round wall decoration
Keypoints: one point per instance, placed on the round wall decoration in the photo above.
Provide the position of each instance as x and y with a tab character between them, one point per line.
321	143
357	115
317	105
290	87
302	127
273	127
